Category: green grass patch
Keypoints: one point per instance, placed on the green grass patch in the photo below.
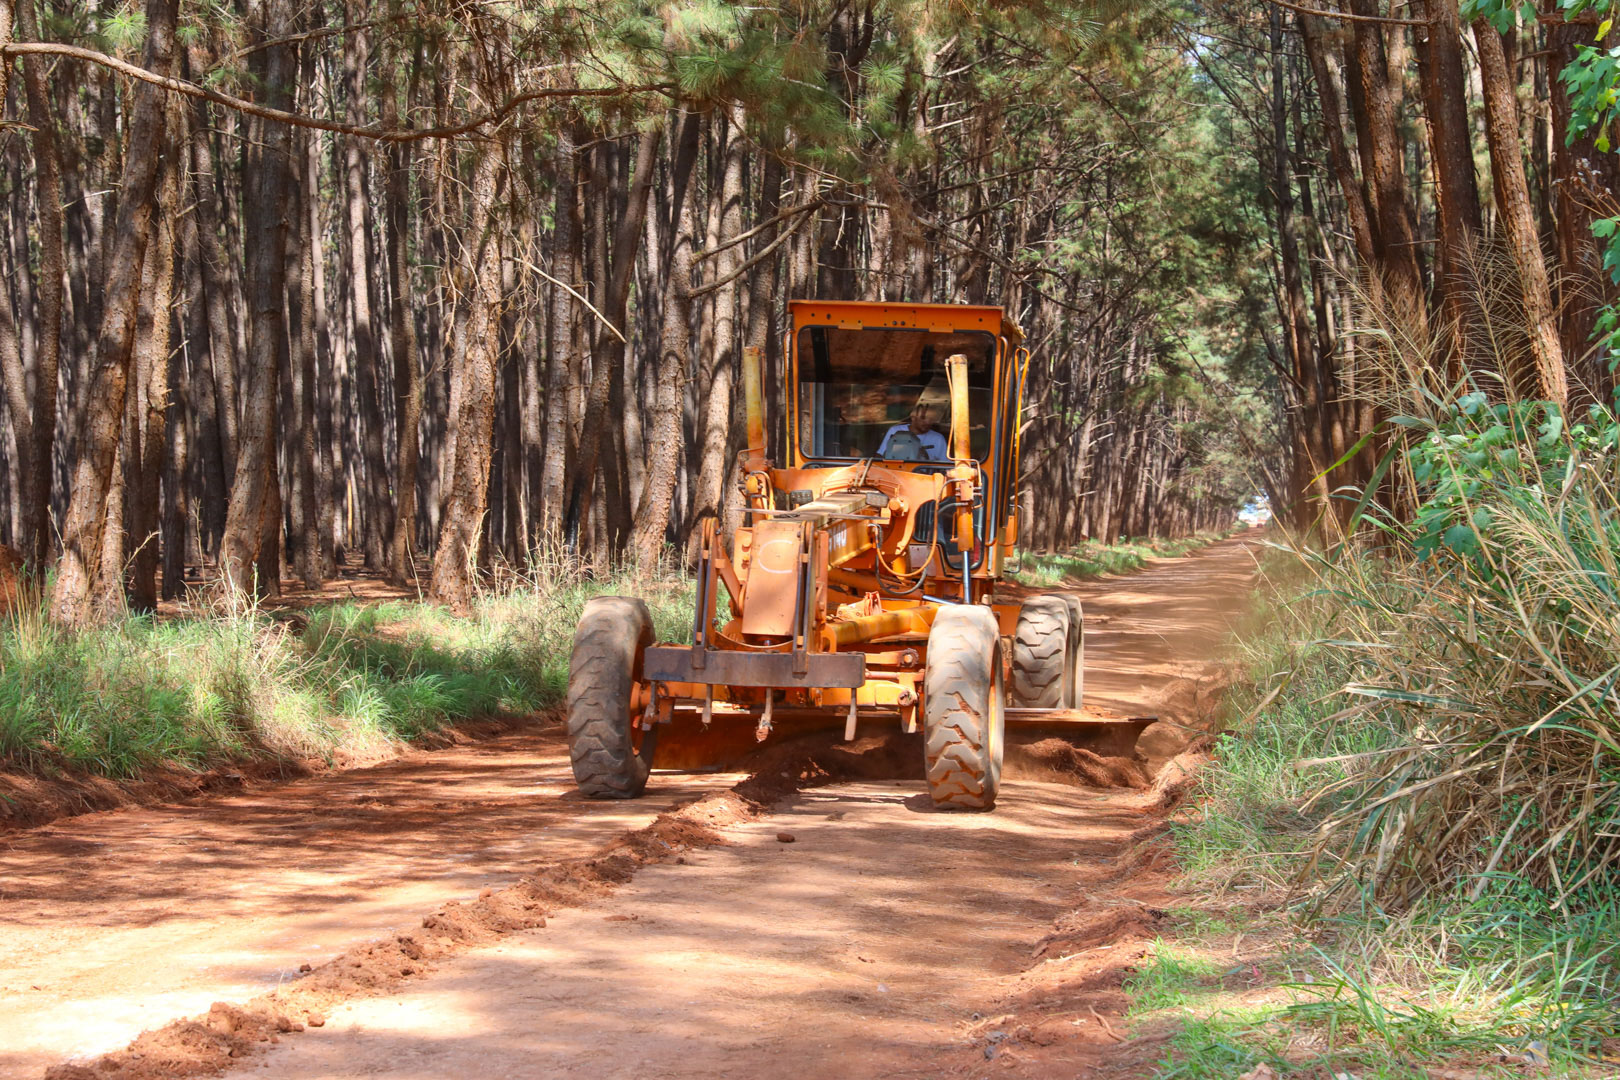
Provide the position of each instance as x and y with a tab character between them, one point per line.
1223	1045
1091	559
1196	924
1170	976
202	689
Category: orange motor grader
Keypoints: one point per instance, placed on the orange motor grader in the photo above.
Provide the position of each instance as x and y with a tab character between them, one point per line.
859	584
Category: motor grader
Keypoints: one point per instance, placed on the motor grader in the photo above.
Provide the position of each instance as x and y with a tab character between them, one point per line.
859	584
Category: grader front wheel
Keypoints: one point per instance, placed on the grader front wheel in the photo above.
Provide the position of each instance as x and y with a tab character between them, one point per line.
612	757
963	717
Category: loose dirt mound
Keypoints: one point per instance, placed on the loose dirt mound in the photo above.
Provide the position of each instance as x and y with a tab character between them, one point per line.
27	801
1087	928
824	758
1056	759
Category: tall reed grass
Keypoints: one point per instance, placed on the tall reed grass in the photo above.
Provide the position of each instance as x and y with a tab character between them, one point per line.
1427	754
1484	633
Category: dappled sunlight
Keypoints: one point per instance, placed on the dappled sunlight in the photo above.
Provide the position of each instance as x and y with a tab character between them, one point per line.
128	918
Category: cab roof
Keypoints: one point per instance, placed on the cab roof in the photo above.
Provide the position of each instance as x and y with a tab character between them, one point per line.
863	314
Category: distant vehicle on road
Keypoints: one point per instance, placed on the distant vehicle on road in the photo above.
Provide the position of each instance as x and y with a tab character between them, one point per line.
1256	513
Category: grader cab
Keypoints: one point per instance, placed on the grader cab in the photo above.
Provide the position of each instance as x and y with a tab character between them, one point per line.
859	584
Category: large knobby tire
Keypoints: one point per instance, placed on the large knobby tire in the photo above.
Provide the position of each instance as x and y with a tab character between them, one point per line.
611	756
1074	692
963	714
1042	654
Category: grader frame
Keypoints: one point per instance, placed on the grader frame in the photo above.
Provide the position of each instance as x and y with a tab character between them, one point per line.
860	582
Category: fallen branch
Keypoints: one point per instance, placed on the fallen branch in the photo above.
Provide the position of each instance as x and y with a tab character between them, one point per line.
375	131
1347	17
614	330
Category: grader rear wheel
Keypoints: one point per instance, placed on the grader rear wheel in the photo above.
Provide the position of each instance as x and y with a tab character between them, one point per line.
963	713
612	757
1042	654
1074	686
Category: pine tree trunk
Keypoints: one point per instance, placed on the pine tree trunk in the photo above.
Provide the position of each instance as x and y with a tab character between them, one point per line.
254	507
366	359
564	267
407	377
1383	165
473	386
209	483
35	538
73	602
152	366
6	21
321	424
1307	427
1451	146
1518	216
665	441
626	240
1581	173
301	373
176	521
216	280
719	429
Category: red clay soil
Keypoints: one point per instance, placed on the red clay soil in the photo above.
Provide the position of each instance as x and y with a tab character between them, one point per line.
463	913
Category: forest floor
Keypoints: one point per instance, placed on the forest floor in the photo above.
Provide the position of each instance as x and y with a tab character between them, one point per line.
462	912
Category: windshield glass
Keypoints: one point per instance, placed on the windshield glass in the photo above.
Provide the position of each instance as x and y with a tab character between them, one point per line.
884	393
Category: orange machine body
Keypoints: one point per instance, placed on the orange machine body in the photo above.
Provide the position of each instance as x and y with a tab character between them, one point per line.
846	551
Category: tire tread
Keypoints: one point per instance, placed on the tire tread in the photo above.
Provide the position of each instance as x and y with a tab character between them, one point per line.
959	685
602	672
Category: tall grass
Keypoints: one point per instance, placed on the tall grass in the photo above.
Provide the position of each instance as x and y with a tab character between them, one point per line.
1486	635
353	679
1471	959
1428	758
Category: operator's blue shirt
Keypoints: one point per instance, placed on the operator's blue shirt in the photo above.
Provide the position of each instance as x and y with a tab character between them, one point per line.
933	442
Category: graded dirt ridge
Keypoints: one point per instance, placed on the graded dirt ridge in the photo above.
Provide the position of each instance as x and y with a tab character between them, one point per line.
462	912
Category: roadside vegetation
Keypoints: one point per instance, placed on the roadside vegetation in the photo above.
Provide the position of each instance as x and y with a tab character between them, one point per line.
1416	807
349	680
1093	559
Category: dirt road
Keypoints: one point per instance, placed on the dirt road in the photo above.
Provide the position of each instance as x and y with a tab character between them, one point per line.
883	940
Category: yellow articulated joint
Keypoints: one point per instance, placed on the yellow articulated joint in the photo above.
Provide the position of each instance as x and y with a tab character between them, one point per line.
881	625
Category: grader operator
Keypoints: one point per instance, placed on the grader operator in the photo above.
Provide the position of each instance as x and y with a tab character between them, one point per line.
858	587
